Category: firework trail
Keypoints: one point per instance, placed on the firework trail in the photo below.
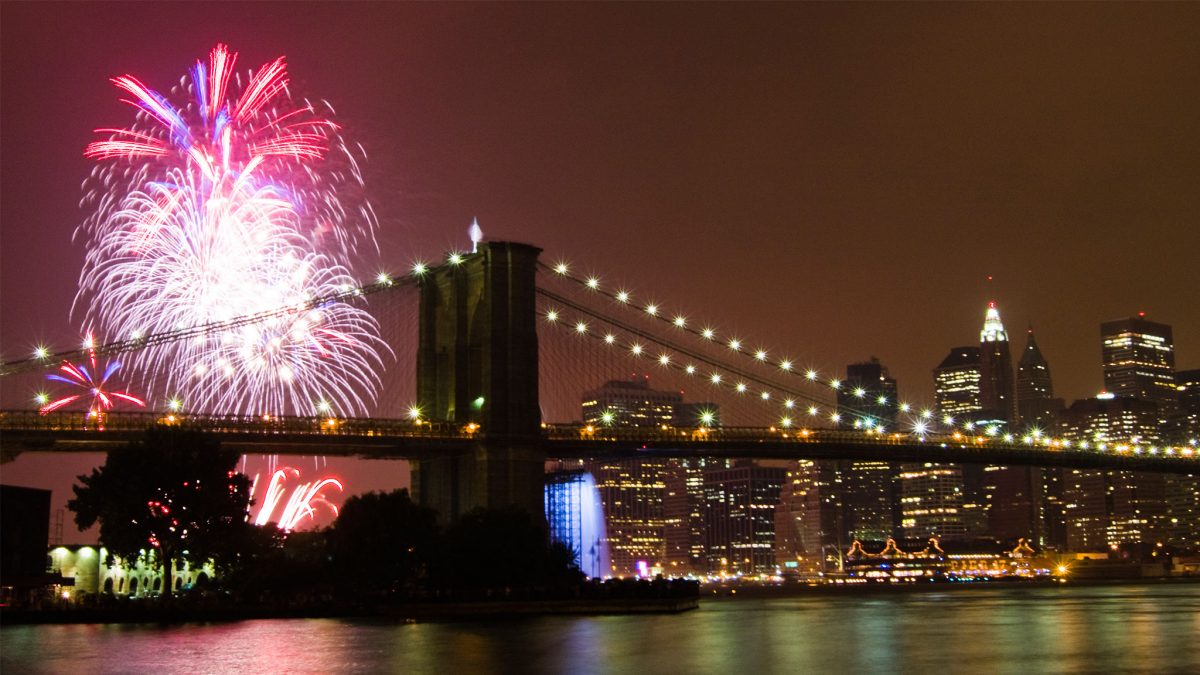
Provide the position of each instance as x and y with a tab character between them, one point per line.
233	203
303	502
93	383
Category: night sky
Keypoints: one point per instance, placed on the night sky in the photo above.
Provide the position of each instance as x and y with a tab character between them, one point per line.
833	181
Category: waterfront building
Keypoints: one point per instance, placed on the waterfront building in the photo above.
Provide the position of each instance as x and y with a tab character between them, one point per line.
932	563
94	571
1138	356
740	499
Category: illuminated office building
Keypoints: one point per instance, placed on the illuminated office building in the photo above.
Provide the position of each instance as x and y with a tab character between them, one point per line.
1182	520
957	384
1185	424
683	517
931	501
740	499
1104	509
868	398
957	389
630	403
995	368
632	491
809	527
1139	360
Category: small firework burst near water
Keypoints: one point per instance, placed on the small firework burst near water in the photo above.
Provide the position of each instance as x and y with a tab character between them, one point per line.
237	201
303	502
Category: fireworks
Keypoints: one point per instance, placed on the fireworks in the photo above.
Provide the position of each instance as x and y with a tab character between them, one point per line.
93	383
303	502
238	201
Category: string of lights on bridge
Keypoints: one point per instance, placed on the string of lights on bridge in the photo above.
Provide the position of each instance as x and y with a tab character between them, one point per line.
923	423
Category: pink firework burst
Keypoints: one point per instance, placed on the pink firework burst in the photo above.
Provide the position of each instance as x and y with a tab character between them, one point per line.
93	382
302	503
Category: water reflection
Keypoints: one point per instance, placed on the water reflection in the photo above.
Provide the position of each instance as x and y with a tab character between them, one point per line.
1127	628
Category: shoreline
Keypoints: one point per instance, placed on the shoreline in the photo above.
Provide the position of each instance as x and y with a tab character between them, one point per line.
405	612
507	609
735	591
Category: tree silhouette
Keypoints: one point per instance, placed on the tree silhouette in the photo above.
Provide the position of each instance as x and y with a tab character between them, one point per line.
504	548
383	542
176	493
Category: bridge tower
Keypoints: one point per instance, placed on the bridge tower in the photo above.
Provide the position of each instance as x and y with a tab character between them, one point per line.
477	361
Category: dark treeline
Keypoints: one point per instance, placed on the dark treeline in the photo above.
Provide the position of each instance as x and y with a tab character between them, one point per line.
383	546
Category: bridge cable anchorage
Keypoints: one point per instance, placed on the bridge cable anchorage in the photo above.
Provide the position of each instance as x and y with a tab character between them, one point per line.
382	283
722	375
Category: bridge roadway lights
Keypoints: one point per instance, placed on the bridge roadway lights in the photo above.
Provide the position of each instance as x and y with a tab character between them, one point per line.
477	361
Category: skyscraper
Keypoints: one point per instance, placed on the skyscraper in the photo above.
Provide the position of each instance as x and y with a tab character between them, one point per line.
1139	359
1037	410
957	389
867	395
957	383
1108	508
1036	406
870	499
740	499
931	501
995	369
630	403
809	530
1185	427
632	491
683	517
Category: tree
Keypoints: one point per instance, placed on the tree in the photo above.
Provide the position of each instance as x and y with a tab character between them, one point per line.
504	549
383	541
176	493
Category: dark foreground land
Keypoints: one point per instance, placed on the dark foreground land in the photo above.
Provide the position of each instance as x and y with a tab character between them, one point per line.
613	597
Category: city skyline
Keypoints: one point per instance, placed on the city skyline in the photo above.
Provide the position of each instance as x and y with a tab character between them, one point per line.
571	336
793	201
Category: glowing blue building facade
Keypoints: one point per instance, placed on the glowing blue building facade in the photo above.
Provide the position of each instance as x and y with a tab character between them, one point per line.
576	519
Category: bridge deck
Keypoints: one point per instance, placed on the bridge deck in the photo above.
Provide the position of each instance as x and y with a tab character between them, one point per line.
22	431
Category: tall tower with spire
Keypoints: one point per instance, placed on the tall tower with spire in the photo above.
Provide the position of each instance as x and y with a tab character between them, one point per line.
1036	405
995	366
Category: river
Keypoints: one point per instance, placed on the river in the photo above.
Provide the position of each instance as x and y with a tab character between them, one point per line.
1087	629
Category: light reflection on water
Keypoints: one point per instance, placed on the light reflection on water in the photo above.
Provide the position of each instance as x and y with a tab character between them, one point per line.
1142	628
